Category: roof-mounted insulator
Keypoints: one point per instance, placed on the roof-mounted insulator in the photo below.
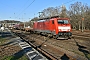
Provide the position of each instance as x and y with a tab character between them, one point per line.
49	17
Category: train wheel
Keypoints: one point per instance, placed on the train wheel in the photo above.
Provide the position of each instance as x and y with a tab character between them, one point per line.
50	35
54	37
69	37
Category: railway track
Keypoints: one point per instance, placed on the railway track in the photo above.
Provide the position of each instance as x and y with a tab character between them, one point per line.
31	52
62	47
48	54
43	52
82	38
81	35
85	34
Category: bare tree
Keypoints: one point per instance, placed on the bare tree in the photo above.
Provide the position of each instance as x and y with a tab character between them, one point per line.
77	12
48	12
63	12
87	19
51	11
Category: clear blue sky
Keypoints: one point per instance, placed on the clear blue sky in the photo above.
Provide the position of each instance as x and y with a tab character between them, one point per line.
23	10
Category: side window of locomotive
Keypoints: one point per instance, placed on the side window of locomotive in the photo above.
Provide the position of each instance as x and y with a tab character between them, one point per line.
52	21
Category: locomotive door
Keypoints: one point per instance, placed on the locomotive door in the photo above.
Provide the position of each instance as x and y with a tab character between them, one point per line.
52	25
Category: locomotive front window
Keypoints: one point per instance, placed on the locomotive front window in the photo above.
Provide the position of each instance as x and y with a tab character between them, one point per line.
62	21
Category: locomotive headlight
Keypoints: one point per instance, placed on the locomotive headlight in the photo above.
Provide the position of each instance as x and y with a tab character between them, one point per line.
59	29
68	29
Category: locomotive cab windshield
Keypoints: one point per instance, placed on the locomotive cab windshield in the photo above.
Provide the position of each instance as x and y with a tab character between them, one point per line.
62	21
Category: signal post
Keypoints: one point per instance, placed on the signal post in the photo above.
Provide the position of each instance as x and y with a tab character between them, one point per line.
82	24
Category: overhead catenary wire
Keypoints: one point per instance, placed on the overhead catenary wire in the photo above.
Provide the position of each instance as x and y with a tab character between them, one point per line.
69	1
27	7
34	1
23	6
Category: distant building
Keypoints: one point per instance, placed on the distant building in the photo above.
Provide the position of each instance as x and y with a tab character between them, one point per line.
9	23
0	25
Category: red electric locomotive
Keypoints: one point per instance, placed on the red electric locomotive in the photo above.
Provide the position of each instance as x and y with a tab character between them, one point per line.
53	27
